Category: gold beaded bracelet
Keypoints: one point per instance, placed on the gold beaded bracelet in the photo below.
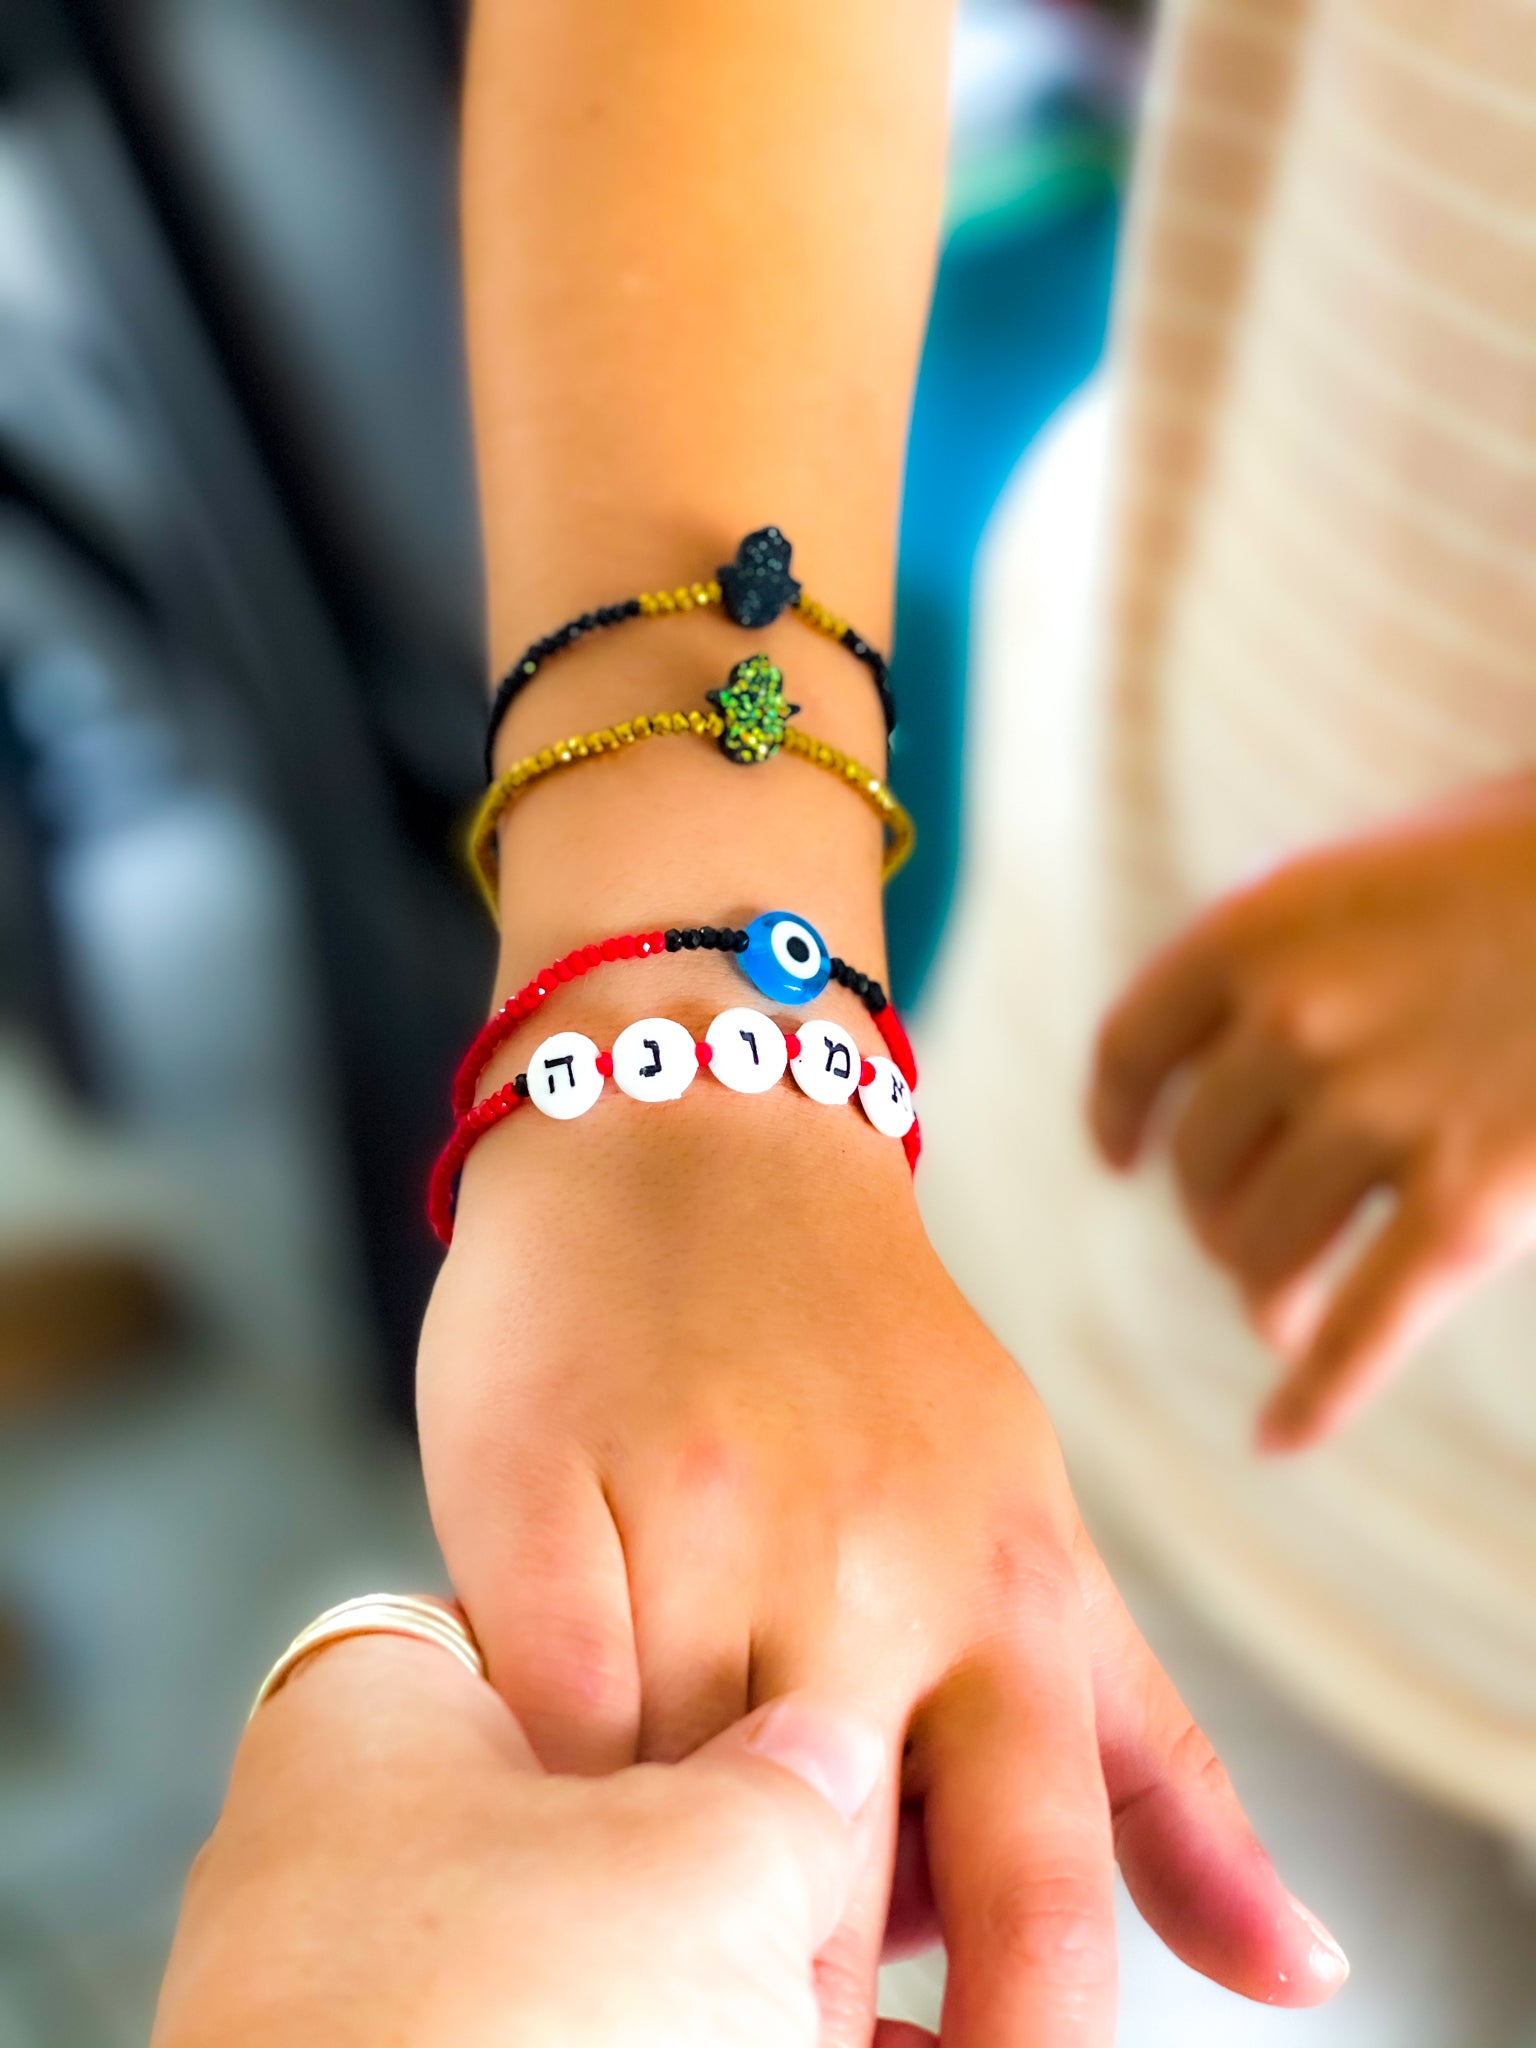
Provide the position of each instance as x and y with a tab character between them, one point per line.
515	782
753	591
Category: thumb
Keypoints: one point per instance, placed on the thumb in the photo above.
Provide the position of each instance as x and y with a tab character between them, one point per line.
802	1772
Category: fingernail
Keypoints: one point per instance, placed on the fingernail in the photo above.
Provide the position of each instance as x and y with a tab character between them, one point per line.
1327	1963
834	1753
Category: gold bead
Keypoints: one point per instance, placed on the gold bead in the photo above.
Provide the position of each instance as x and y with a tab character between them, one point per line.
716	594
624	734
643	727
647	604
608	738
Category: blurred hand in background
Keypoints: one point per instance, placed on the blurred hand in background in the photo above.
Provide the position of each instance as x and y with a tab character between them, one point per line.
1359	1021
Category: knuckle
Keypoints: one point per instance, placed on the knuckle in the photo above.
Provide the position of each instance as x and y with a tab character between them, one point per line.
1193	1762
1053	1922
1028	1570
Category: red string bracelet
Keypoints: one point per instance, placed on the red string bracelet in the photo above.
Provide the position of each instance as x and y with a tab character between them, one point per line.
657	1061
493	1034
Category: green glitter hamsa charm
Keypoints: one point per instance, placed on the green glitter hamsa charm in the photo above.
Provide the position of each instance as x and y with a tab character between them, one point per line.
755	711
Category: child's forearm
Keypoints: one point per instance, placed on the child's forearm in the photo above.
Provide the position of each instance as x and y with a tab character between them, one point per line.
699	242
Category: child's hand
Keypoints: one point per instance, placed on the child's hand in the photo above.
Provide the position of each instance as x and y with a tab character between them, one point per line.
704	1421
1363	1019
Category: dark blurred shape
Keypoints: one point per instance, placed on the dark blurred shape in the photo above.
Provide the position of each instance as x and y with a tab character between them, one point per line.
235	491
75	1321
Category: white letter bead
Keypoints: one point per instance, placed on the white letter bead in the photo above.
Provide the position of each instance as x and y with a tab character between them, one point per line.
654	1060
828	1062
887	1101
749	1051
563	1079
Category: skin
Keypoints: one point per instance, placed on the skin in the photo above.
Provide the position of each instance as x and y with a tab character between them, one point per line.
393	1869
703	1419
1357	1023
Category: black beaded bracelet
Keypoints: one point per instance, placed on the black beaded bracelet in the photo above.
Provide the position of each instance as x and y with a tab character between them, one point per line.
753	591
708	938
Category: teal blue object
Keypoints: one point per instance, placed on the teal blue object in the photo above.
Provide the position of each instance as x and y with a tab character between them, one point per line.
1018	323
786	958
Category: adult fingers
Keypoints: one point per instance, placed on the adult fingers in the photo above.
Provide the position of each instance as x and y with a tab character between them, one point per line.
1188	1855
1169	1012
1019	1837
1241	1099
815	1657
536	1560
1296	1202
795	1775
1402	1287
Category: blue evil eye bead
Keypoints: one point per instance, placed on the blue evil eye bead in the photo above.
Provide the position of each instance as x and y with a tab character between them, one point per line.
786	959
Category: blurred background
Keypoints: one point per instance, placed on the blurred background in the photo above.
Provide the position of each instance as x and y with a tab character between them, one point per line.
240	691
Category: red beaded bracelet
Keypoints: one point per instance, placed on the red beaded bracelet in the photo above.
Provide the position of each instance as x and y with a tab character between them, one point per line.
656	1062
756	939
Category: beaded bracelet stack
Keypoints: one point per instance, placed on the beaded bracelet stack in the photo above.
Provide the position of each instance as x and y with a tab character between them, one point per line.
753	591
655	1059
750	721
750	716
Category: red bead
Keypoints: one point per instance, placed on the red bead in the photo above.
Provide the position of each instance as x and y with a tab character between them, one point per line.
605	1063
609	949
703	1051
592	956
866	1073
626	947
564	971
792	1044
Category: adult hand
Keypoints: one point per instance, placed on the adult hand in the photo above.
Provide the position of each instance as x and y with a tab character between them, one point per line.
393	1866
704	1421
1363	1019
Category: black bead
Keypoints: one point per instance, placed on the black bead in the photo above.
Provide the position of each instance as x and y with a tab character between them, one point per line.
877	999
757	586
739	942
674	940
690	938
520	1085
861	984
632	608
709	938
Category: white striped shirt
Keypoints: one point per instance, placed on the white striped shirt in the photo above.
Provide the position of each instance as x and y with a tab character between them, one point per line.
1320	612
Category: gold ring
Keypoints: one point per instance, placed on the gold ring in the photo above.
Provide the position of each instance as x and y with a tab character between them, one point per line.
427	1619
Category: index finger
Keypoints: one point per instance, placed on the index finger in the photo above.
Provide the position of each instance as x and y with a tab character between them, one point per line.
1170	1011
1019	1842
